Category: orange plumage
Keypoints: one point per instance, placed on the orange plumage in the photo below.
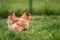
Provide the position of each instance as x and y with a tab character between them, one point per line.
18	24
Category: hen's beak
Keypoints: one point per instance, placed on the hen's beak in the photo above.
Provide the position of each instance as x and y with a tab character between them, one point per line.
29	13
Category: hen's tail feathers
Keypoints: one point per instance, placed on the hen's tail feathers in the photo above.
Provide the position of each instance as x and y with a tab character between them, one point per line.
11	13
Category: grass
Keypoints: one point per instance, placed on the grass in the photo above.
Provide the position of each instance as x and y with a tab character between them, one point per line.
40	28
39	7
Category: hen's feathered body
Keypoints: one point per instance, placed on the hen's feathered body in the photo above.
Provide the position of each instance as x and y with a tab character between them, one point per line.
18	24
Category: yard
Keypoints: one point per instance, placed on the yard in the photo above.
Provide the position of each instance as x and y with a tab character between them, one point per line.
44	20
40	28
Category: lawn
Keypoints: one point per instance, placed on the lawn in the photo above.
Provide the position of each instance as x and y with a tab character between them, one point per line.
39	7
40	28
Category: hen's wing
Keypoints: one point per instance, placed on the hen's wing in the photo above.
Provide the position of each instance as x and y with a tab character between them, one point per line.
22	23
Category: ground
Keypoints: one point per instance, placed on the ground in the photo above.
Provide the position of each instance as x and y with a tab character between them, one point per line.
40	28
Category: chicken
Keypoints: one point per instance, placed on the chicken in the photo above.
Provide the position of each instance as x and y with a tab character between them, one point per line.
18	24
23	21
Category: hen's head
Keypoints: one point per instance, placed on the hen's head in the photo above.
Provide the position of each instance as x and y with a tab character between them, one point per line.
27	13
25	16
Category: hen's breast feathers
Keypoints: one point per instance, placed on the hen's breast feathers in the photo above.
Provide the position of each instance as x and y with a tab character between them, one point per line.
23	23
